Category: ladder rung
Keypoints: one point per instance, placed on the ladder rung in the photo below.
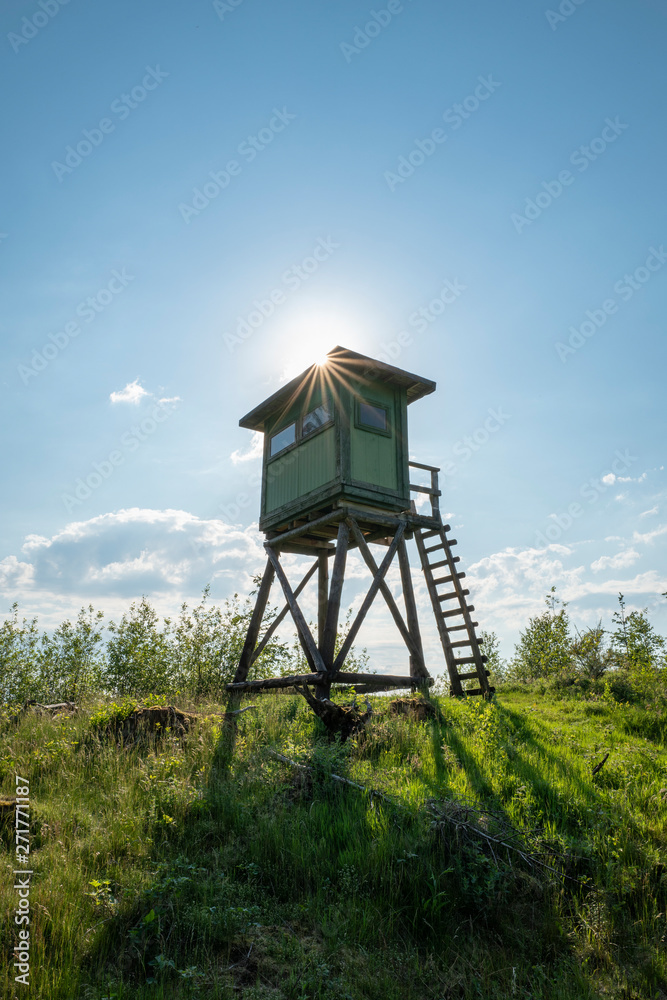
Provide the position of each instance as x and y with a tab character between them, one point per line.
434	548
448	579
445	562
472	675
470	659
457	611
452	594
457	628
461	642
431	534
480	691
446	527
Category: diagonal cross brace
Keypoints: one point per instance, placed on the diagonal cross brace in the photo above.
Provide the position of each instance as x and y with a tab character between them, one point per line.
308	643
370	596
386	593
278	619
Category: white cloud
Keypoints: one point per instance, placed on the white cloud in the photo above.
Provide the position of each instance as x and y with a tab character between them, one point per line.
132	393
132	552
649	536
254	451
619	561
647	513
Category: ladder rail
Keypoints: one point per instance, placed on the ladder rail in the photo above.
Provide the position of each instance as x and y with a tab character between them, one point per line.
457	593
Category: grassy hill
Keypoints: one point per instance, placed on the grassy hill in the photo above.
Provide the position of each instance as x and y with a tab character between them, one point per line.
203	866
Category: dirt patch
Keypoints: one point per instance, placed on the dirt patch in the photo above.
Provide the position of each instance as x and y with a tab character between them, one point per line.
414	708
139	725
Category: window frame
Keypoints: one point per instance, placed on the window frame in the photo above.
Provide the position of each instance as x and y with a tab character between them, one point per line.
299	436
358	423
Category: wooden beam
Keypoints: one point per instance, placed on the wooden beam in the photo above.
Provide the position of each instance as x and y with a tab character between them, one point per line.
371	681
305	636
328	643
417	664
392	679
304	547
331	518
322	595
279	618
277	682
384	589
370	596
255	623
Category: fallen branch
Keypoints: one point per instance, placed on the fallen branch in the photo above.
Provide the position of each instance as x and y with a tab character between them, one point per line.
456	814
336	777
598	767
239	711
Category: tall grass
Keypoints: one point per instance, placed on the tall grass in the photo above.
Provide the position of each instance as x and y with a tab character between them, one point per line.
205	867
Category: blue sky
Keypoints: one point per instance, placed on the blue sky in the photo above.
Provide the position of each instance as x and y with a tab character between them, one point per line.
485	180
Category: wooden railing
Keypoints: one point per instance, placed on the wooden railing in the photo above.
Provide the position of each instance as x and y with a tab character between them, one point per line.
433	490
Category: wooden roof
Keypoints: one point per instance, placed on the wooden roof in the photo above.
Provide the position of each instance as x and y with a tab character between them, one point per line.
341	363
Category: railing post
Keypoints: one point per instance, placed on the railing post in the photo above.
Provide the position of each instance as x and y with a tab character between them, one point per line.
435	499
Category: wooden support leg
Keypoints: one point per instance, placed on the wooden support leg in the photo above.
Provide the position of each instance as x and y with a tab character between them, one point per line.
322	594
255	624
305	636
370	597
330	630
417	664
337	576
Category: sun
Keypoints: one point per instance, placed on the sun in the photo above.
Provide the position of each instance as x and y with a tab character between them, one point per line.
312	333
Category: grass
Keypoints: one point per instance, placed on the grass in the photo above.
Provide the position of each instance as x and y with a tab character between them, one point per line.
203	867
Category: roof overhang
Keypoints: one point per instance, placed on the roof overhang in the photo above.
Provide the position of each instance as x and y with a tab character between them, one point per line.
341	363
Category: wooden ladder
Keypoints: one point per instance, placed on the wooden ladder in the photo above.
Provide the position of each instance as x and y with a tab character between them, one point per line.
452	613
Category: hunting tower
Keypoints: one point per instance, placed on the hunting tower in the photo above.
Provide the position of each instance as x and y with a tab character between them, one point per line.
336	476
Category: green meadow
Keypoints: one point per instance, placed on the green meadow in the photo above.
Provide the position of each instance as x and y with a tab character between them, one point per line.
200	865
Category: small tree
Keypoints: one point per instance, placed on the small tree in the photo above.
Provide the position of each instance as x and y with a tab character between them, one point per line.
209	640
70	661
19	674
490	646
139	653
591	655
635	639
543	649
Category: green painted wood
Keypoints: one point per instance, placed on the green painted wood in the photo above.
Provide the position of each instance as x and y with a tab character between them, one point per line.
304	468
373	456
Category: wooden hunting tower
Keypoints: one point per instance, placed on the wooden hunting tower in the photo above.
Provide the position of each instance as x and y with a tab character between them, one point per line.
336	466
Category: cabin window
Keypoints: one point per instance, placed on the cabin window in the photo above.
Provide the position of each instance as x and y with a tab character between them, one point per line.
283	439
373	417
315	419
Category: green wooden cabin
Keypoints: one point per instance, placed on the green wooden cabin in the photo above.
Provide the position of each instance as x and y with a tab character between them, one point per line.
337	432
